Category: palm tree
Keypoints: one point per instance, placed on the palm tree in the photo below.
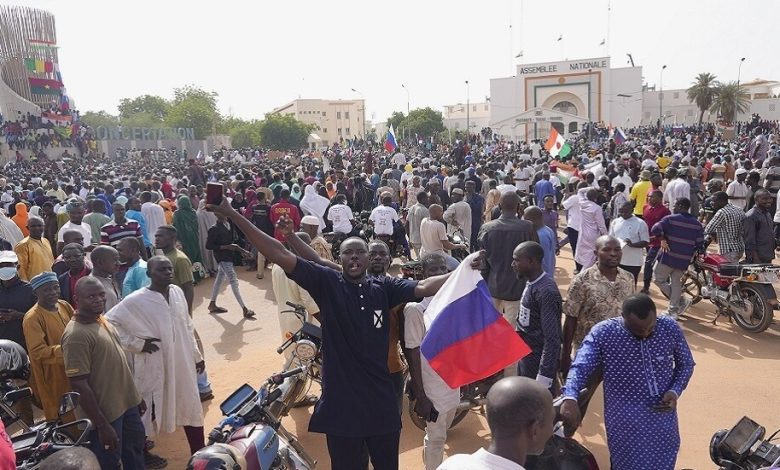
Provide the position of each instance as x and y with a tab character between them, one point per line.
727	97
702	92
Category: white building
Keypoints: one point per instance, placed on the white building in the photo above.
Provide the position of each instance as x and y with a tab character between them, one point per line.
567	94
456	116
335	120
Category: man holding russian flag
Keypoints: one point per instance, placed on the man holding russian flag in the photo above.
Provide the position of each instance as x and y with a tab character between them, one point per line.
358	409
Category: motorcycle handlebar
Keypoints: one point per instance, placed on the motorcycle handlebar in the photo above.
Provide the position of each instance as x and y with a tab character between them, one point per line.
277	379
295	306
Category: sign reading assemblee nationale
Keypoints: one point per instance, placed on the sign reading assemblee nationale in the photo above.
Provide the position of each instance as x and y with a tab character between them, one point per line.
144	133
561	67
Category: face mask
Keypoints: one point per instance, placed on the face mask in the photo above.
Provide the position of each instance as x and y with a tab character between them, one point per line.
7	273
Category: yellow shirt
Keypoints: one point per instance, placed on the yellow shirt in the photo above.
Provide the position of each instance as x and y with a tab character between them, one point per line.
639	195
35	257
42	331
663	162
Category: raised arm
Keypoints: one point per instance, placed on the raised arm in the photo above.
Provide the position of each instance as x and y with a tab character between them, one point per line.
301	248
274	251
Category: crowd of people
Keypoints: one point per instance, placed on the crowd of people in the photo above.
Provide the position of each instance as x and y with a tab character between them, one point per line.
100	258
30	135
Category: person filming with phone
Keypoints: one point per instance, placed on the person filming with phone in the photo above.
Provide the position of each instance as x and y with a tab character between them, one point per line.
646	364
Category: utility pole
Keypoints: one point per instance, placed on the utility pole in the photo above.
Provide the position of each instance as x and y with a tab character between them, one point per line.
363	109
468	116
661	101
736	95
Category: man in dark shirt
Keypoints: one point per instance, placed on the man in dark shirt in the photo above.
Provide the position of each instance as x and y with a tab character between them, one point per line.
220	241
498	238
16	298
73	255
354	312
758	230
539	322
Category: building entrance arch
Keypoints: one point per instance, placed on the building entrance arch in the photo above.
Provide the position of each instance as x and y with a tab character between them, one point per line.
566	102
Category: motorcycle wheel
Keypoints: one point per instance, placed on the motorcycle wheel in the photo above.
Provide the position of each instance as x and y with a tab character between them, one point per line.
691	287
762	314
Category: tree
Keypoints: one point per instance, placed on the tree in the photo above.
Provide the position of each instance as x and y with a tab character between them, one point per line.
141	119
284	132
195	108
99	118
424	121
395	120
702	92
155	107
728	97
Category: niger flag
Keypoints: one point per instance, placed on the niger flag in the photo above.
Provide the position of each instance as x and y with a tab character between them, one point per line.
556	144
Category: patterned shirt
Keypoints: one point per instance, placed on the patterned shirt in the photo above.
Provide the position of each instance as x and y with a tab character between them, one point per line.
593	298
112	232
727	224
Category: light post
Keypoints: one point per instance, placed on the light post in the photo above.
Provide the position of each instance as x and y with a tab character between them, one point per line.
736	95
468	115
363	109
590	108
407	97
661	101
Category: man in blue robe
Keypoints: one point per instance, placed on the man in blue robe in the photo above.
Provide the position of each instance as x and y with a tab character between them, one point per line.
646	364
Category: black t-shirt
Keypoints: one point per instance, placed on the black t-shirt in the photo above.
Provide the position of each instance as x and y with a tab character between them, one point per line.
357	399
18	296
261	219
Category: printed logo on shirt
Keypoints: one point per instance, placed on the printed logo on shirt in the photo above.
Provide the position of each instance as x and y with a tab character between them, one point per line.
377	319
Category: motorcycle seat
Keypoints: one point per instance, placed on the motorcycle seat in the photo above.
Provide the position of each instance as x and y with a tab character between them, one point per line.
730	269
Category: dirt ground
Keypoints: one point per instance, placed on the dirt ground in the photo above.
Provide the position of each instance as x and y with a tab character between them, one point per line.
734	376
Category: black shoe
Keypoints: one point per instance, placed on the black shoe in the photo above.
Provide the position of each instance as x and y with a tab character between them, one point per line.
206	396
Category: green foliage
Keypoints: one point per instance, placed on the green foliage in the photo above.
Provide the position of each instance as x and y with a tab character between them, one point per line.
99	118
423	121
727	97
141	119
154	107
284	132
702	92
395	120
196	108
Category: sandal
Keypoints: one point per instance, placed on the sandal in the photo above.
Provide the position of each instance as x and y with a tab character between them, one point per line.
154	461
217	310
249	313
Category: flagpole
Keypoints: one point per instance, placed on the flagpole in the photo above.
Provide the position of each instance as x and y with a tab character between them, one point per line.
609	24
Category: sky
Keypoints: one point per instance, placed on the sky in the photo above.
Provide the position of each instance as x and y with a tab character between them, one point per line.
258	55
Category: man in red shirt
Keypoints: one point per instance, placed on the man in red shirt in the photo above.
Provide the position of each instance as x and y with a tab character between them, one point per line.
284	208
652	213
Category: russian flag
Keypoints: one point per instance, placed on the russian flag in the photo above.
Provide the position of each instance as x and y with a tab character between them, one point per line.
620	136
390	143
466	338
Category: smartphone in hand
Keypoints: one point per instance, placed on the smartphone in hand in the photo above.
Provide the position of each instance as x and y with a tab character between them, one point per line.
214	193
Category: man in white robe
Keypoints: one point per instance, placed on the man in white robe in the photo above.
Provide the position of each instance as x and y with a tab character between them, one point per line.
155	328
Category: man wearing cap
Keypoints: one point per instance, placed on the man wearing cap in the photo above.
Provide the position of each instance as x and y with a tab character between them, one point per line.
16	298
639	192
311	225
43	326
738	191
34	251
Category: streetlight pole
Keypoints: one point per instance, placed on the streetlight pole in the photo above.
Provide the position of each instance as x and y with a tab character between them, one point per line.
363	109
590	109
661	101
468	115
407	97
736	95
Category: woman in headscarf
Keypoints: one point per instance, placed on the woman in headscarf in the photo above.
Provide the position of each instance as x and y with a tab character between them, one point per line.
238	203
167	210
206	220
295	193
21	217
314	204
491	201
185	219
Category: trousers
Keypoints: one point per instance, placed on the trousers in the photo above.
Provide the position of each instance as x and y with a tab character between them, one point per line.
435	438
510	309
669	280
225	269
348	453
130	452
652	254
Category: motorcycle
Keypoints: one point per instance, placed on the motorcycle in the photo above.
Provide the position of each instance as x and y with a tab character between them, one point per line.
33	447
306	355
742	292
413	269
361	229
743	447
250	428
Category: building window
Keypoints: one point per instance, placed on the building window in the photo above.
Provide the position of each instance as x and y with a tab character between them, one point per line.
771	107
324	130
474	108
323	114
690	112
346	116
338	114
339	131
348	131
676	94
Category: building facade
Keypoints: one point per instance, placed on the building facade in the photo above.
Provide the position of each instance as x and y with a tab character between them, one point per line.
456	116
565	95
335	120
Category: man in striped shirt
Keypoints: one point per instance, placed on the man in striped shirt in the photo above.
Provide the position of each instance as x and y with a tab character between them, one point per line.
681	235
120	227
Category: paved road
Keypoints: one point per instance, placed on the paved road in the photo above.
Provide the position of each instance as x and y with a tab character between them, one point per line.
736	375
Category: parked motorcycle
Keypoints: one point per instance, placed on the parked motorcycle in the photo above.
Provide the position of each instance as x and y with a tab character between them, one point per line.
306	355
32	447
413	269
743	447
742	292
253	435
361	228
